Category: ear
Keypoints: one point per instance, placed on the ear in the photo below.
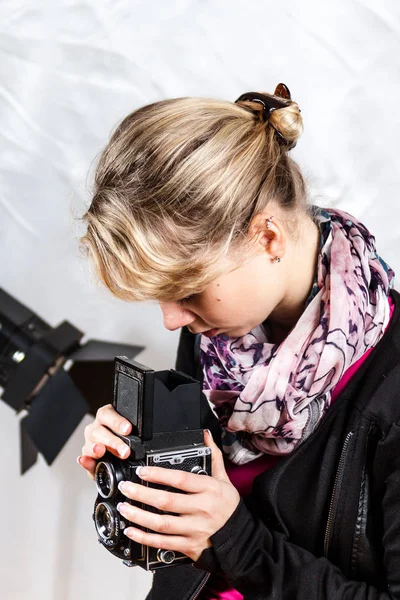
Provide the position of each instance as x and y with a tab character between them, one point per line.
267	235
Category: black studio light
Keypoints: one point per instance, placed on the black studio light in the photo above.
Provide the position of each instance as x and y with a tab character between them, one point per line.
48	373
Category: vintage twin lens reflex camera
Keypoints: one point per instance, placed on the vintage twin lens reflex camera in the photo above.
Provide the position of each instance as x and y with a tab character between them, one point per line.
164	409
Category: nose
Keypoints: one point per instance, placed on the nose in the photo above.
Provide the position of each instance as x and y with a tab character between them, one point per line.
176	316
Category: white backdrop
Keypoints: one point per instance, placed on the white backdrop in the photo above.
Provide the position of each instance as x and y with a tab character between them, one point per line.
69	71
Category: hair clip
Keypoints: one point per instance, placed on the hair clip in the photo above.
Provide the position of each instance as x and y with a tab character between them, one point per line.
280	99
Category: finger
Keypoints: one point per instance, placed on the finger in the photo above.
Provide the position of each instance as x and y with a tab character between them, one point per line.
161	499
156	540
93	450
89	464
160	523
108	416
176	478
101	436
217	459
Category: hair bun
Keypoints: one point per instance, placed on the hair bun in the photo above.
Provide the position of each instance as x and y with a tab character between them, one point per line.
278	110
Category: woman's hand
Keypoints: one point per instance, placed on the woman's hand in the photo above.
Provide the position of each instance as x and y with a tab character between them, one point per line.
205	508
99	437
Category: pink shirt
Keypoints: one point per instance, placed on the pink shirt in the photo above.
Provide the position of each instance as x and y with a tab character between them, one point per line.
242	477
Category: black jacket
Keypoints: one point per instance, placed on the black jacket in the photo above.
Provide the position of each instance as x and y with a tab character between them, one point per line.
324	523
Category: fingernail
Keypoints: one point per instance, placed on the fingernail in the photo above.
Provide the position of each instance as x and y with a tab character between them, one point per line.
79	459
123	451
124	427
94	448
122	485
209	433
121	506
142	472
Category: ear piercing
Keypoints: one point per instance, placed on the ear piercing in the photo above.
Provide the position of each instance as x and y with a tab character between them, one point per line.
268	226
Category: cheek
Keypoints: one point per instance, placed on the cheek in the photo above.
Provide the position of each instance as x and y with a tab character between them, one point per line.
251	305
245	298
214	309
232	308
217	310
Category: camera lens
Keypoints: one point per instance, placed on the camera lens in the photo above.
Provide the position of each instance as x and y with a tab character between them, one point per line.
105	519
105	479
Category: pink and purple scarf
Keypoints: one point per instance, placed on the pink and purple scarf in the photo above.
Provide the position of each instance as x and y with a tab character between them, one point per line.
269	397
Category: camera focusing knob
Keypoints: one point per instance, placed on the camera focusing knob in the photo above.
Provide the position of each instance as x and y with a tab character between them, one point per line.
199	471
166	556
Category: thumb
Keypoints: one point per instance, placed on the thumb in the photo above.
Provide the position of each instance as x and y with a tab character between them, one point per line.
217	460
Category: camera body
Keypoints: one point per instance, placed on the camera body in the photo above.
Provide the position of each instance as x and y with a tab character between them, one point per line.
164	409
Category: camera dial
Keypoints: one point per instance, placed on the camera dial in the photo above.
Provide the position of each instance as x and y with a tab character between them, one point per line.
199	471
166	556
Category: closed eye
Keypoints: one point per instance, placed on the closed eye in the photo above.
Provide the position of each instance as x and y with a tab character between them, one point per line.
186	300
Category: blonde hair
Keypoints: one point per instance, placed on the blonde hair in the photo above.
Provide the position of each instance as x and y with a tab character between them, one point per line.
176	187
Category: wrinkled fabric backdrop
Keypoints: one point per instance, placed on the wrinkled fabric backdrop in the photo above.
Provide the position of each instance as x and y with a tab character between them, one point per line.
69	72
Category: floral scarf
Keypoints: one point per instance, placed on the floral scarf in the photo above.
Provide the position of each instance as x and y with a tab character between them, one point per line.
270	397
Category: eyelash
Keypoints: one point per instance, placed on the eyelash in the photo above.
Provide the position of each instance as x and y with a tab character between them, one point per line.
187	300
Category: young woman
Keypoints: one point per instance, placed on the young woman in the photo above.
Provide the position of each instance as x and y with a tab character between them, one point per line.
290	319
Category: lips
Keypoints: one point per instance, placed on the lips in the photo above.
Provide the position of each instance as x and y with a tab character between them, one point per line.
207	333
210	333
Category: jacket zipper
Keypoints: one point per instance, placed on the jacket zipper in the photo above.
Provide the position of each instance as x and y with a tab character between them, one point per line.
200	587
335	492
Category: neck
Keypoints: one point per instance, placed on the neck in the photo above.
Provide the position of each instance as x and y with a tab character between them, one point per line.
300	265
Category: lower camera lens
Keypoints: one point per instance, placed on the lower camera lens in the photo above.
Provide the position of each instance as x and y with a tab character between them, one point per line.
105	479
105	519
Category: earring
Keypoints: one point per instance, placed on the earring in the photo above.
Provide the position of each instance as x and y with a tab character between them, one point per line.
268	225
268	222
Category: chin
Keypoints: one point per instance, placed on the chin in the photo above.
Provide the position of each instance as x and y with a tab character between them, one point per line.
237	332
